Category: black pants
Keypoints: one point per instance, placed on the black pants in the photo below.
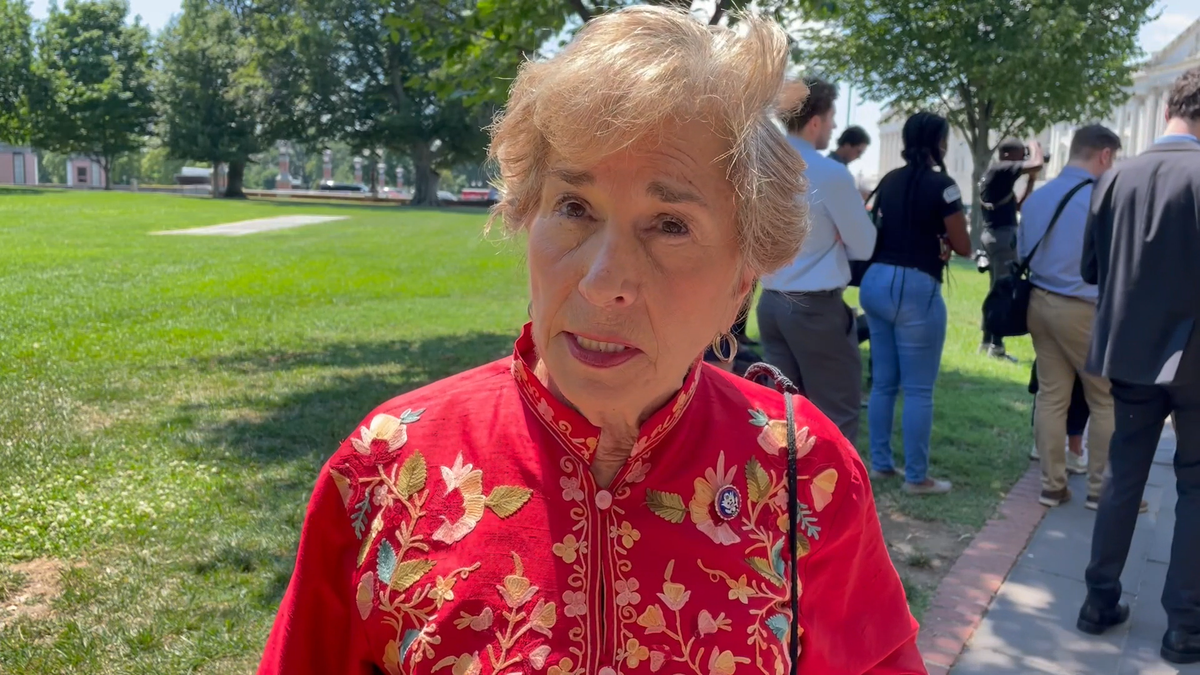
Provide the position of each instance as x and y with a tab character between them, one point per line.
1140	411
1001	246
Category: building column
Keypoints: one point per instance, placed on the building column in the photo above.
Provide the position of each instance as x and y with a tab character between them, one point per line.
1152	117
1164	103
1122	115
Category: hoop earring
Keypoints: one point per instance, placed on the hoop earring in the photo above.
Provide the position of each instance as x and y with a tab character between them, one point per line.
725	346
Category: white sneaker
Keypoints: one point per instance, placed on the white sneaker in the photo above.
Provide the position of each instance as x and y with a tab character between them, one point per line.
1076	464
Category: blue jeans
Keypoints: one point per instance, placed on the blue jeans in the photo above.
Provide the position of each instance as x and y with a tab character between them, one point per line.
907	316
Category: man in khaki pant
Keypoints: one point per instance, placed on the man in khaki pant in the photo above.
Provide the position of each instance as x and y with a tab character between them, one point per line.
1061	311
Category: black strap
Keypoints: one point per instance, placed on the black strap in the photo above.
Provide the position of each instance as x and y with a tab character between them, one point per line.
1024	266
785	387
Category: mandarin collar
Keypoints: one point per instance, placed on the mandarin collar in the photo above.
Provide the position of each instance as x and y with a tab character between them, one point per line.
575	432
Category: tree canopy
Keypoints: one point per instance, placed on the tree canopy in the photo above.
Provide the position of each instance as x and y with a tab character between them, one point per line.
994	69
209	91
91	90
16	57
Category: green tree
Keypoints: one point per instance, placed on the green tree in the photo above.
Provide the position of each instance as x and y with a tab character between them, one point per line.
994	69
209	91
482	43
373	87
91	93
16	58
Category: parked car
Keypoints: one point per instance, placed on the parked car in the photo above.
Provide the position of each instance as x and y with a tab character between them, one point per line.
447	196
395	193
330	186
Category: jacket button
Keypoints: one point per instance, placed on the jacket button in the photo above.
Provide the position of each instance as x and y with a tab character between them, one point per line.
603	500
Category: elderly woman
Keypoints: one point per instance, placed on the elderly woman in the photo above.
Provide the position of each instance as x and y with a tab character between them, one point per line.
602	502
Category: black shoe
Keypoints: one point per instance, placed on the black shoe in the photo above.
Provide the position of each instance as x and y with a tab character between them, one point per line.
1096	621
1181	647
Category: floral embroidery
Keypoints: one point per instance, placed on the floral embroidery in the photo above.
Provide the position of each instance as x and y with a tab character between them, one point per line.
564	667
701	506
724	662
675	596
822	488
469	483
738	590
571	491
575	603
467	664
504	500
773	437
710	625
385	433
480	622
635	653
627	592
517	591
627	534
569	548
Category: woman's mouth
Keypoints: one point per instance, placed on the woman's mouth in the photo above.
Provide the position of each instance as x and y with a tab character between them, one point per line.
599	353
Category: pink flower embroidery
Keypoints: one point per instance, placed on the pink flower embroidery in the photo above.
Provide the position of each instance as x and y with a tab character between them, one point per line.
576	603
571	491
701	506
627	592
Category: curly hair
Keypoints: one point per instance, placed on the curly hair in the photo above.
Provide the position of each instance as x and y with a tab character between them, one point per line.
1184	100
631	75
821	95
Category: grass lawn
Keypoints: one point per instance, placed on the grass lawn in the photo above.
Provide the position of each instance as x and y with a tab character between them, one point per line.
169	400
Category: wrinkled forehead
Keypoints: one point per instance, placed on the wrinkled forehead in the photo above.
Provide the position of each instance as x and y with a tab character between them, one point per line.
677	163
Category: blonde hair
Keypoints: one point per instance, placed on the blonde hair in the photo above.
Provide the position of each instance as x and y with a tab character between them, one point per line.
630	75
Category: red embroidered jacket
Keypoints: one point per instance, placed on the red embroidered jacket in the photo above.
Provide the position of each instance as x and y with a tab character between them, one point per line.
459	531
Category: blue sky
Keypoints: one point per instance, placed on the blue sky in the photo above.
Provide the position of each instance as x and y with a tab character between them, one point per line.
1176	15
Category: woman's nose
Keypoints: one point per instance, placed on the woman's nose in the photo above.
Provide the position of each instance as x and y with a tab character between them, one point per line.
612	269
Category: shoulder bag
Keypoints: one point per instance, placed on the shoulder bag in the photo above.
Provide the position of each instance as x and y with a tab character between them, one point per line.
1007	303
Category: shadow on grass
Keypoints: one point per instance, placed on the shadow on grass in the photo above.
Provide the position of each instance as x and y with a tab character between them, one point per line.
316	399
10	191
319	396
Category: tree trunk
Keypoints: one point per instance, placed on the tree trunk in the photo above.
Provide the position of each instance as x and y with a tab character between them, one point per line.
235	179
425	182
214	182
106	163
981	155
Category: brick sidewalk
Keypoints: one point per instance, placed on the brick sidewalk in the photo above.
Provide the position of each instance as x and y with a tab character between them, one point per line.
963	596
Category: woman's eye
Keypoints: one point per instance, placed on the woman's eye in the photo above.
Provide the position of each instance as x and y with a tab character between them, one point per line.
571	208
673	227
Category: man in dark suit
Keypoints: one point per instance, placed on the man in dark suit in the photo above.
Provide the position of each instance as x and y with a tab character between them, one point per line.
1142	248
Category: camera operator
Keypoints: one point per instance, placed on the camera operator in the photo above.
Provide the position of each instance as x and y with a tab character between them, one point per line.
1000	206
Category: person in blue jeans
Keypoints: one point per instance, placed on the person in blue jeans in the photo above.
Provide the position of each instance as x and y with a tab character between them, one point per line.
918	210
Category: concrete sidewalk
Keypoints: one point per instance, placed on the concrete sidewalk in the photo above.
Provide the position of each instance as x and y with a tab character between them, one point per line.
1030	625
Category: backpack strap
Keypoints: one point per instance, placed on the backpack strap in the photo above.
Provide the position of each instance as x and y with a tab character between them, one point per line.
1024	265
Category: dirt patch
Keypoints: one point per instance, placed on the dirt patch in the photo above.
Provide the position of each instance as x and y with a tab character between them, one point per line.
38	583
923	552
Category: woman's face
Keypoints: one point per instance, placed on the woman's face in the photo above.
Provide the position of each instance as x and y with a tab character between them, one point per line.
634	268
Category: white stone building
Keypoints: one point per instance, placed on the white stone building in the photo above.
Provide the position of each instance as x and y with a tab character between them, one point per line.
1138	121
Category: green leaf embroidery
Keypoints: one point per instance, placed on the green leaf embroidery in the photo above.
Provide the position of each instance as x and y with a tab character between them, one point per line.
412	475
778	624
758	484
410	636
777	559
376	528
667	505
409	416
506	500
361	511
758	418
808	522
408	573
385	563
763	567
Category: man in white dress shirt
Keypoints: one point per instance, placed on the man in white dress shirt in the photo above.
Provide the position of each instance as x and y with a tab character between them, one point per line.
808	331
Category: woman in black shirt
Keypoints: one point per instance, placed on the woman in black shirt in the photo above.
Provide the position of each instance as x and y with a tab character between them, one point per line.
919	211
